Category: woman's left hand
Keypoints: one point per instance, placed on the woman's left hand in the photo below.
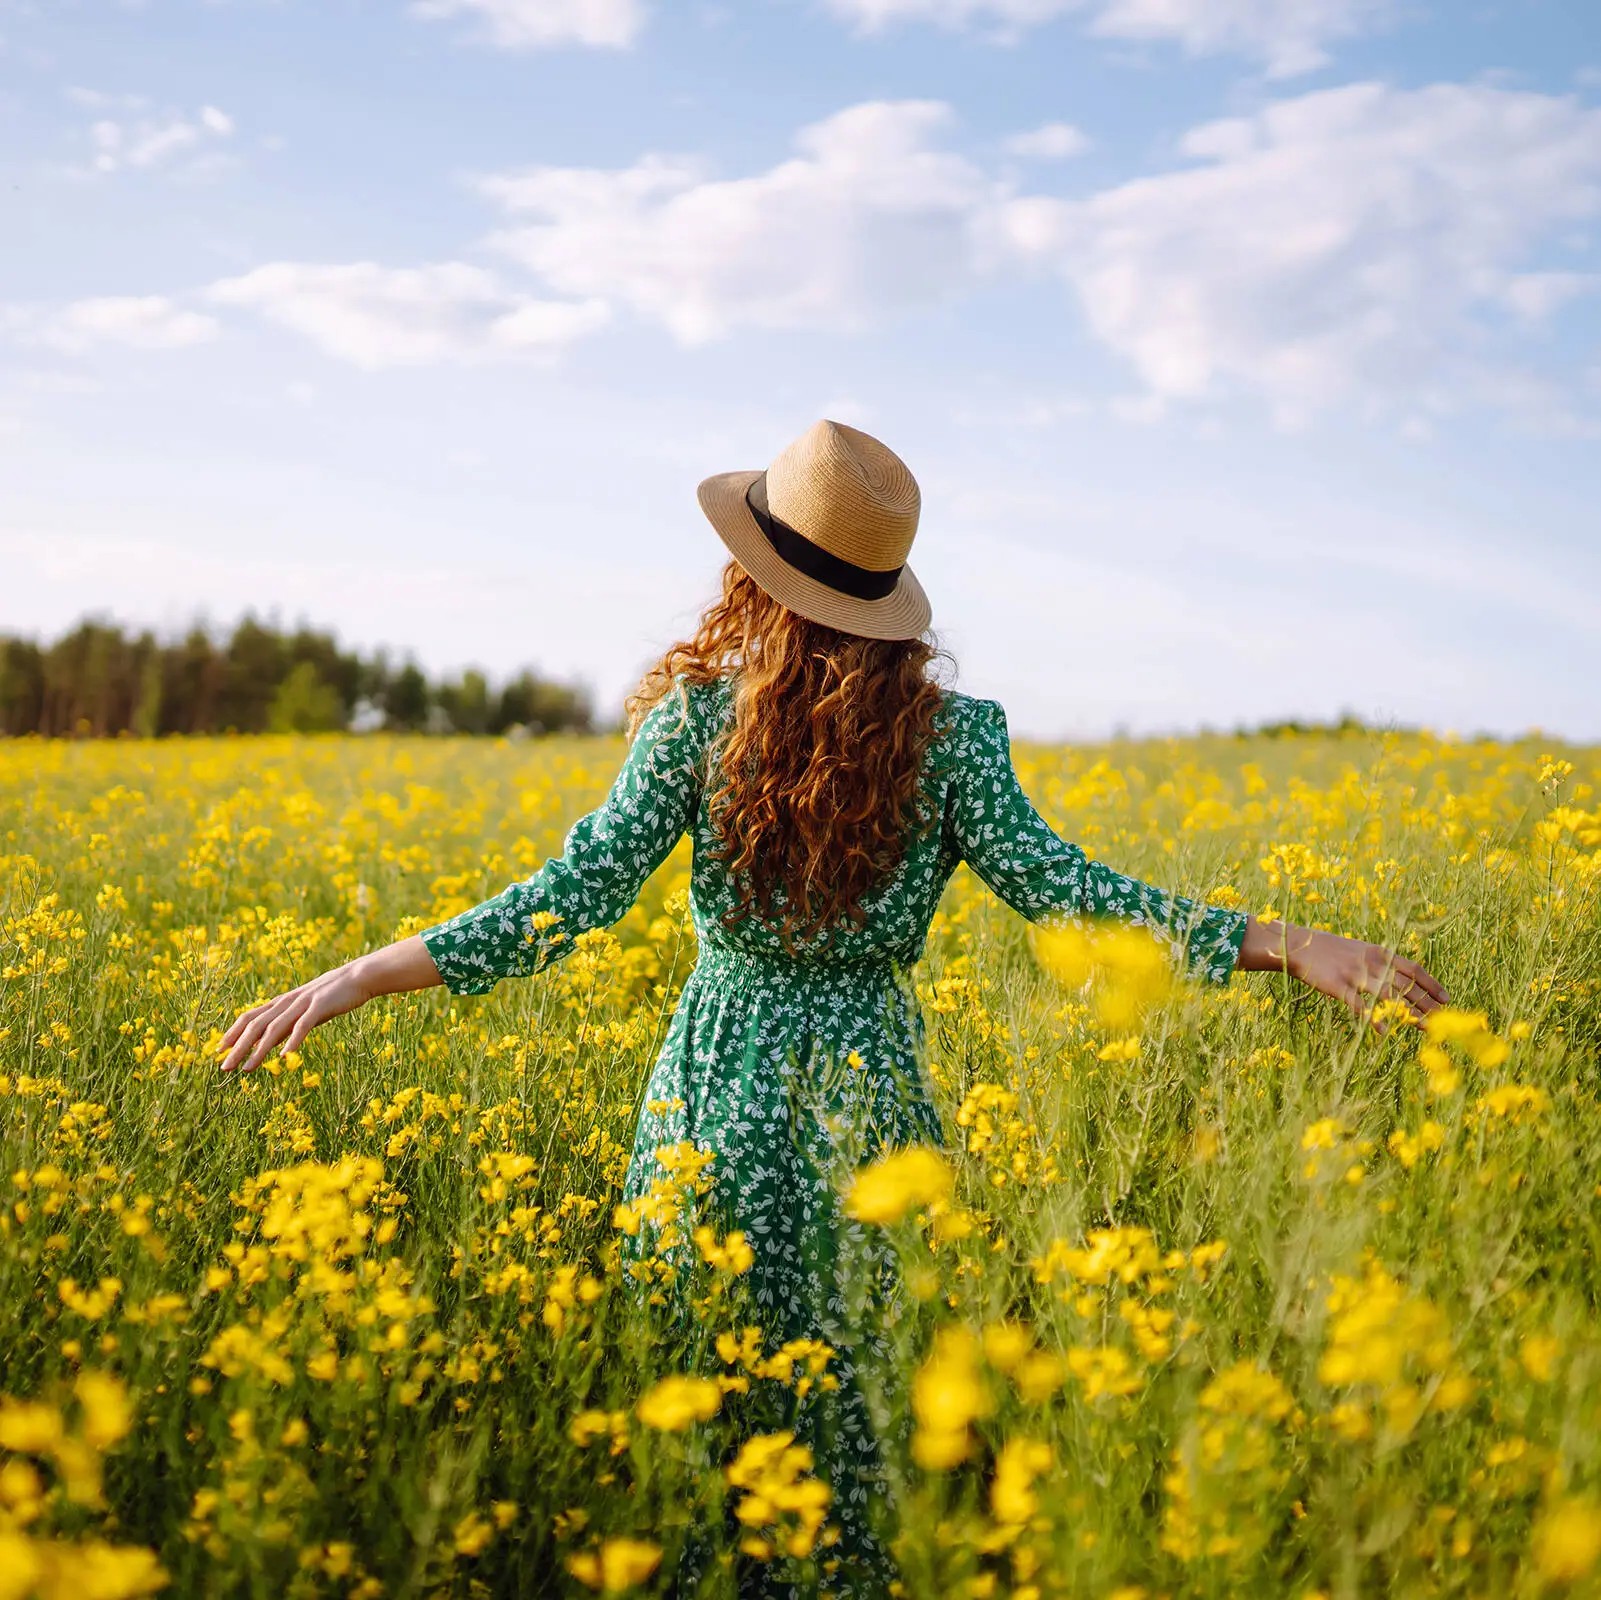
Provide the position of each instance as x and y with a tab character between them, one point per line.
1361	975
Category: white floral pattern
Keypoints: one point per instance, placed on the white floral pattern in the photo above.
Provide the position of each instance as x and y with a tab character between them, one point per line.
756	1050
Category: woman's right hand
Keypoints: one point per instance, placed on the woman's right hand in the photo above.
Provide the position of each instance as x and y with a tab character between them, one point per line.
287	1019
395	969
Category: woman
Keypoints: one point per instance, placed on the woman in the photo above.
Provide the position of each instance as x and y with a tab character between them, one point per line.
831	788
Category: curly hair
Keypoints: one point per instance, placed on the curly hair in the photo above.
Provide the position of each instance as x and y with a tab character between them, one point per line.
821	767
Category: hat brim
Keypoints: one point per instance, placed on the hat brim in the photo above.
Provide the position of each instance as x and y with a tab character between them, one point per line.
902	614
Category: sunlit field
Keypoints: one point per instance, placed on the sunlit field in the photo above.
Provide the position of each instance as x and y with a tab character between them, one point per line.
1213	1293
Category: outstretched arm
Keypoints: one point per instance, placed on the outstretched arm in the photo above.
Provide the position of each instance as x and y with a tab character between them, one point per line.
286	1020
604	863
1045	878
1016	852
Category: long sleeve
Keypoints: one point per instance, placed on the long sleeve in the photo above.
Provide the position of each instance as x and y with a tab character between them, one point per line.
604	863
1042	877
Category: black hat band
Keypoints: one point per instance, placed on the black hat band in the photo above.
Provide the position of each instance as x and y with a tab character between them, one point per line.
799	552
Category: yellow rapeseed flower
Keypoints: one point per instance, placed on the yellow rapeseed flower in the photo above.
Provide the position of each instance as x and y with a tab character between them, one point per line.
732	1255
1006	1344
1012	1495
1126	1254
1323	1134
897	1183
472	1534
1469	1030
1409	1148
616	1565
107	1415
1038	1376
1246	1390
1515	1102
675	1402
30	1427
782	1504
1567	1539
1539	1353
90	1304
948	1395
1103	1370
1130	967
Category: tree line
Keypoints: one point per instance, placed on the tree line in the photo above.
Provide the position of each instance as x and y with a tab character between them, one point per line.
98	680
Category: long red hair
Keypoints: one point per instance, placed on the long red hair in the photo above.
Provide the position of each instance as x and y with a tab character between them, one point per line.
819	773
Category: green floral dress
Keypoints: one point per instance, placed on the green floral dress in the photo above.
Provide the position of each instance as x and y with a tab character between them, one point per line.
754	1063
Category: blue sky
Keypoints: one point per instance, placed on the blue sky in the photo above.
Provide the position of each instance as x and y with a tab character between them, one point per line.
1248	351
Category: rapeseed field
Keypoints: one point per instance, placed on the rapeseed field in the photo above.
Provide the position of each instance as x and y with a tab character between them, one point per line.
1212	1293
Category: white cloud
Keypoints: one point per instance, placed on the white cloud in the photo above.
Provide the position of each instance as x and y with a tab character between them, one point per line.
374	316
1538	295
1373	249
1287	36
1361	245
98	100
141	322
867	218
1344	245
1007	15
144	141
1055	141
542	24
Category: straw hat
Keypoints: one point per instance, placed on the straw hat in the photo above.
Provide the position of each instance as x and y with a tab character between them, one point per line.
825	531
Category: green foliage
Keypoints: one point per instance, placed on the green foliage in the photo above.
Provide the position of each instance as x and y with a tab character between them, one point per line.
97	681
303	703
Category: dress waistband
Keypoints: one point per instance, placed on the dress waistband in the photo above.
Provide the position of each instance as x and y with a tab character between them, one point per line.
724	965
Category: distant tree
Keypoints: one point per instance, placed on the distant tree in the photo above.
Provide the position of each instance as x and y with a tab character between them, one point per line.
191	685
305	704
466	703
85	681
255	668
21	686
146	721
375	679
407	699
98	680
542	707
1349	723
339	670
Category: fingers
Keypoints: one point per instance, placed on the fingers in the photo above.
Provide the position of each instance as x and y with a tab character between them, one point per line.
261	1021
243	1020
1376	984
1373	994
1424	979
277	1030
304	1023
1388	976
1422	1003
1420	997
285	1021
1418	1004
